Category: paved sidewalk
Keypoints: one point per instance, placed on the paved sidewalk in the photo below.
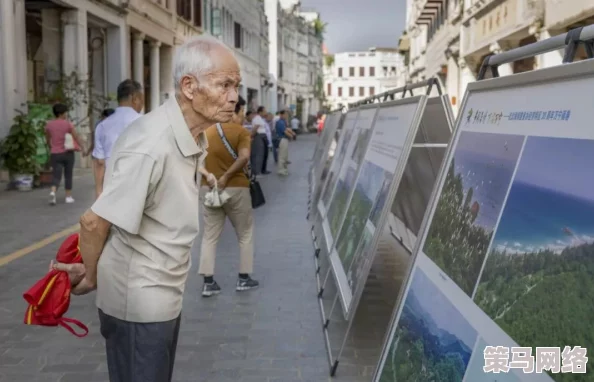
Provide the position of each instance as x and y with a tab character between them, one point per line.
269	334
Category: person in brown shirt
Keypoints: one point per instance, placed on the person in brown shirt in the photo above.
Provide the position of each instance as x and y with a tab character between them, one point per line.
226	170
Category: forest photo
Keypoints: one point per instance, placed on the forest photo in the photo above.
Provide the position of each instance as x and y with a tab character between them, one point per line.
380	202
475	372
433	342
470	202
367	188
360	262
538	281
339	203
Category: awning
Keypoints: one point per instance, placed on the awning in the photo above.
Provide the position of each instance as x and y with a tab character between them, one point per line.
404	44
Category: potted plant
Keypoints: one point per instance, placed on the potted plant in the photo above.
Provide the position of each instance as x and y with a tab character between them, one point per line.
18	151
39	114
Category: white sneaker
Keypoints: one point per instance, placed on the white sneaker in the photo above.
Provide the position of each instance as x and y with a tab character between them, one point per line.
52	198
69	199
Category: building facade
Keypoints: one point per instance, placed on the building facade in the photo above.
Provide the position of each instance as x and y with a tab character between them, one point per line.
449	39
351	76
295	58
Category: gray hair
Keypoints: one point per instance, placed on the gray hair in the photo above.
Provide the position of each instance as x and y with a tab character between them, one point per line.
193	57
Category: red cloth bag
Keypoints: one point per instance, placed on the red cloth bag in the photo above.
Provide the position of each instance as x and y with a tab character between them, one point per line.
49	298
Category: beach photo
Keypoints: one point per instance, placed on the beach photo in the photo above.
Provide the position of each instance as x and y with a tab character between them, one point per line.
432	342
344	187
470	203
367	188
538	280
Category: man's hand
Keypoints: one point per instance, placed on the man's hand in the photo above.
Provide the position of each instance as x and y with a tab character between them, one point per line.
76	272
211	179
83	287
222	182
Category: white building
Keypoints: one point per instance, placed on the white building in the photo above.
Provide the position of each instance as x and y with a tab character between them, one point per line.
48	45
295	58
351	76
243	26
450	39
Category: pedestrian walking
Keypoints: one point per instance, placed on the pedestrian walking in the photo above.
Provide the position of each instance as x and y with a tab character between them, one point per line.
224	168
135	240
295	125
271	120
130	103
284	133
259	144
63	141
267	144
104	114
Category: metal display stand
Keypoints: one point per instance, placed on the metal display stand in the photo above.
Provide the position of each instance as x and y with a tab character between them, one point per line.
323	268
569	41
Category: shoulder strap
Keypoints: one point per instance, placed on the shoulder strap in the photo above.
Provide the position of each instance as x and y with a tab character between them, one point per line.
229	148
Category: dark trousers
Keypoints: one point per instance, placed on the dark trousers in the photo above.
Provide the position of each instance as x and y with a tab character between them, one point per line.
266	152
139	352
63	162
275	143
257	156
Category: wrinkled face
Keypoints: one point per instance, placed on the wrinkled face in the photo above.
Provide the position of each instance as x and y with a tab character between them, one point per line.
214	95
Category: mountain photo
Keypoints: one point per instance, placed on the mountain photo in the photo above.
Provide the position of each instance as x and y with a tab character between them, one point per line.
432	341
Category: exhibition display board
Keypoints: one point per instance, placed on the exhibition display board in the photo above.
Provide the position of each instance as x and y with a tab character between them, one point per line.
341	151
505	252
321	152
322	162
347	176
394	129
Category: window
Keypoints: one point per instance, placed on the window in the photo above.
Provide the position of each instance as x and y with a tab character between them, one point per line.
351	91
361	91
371	90
393	69
198	13
371	71
184	9
385	68
351	72
237	34
361	72
340	92
280	69
329	90
339	72
215	22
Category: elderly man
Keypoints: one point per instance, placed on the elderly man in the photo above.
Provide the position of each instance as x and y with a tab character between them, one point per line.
136	238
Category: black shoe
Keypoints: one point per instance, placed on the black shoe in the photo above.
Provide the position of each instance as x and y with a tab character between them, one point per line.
246	284
266	173
210	289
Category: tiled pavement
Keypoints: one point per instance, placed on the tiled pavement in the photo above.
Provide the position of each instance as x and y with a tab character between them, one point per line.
265	335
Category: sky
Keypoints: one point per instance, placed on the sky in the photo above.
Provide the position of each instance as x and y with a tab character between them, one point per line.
559	164
357	25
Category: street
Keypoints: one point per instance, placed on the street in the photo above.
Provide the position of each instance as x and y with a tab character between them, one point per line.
269	334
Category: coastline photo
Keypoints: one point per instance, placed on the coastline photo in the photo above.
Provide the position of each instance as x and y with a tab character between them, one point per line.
538	280
470	203
344	186
432	342
371	178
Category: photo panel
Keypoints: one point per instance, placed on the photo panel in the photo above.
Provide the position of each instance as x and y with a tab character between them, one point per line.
538	280
470	202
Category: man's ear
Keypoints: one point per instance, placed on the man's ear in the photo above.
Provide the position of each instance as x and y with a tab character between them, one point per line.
188	87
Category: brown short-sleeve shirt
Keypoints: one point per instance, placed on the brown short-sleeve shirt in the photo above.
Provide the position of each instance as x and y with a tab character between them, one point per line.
219	159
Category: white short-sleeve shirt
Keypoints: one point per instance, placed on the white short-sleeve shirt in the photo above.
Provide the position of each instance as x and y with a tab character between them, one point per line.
150	196
108	130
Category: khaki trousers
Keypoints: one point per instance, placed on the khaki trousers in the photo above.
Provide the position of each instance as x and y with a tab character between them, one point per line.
283	157
238	208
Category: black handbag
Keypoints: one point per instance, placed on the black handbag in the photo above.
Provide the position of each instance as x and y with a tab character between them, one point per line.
255	189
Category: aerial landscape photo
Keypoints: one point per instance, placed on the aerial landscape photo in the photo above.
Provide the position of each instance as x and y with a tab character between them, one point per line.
371	178
476	373
538	280
470	203
432	342
340	200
